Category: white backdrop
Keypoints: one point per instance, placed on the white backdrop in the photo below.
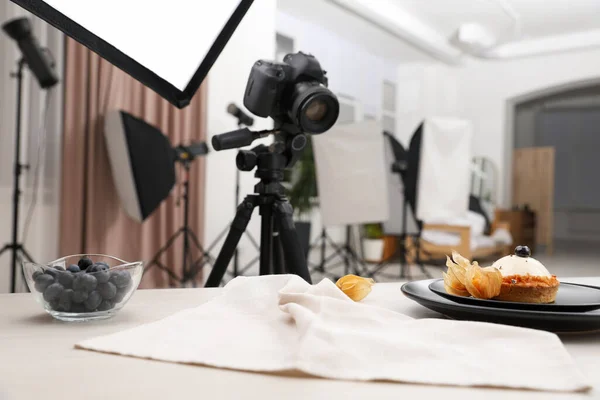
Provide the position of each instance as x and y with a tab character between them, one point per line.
351	176
445	169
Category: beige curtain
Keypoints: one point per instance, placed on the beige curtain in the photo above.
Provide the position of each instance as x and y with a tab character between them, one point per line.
92	220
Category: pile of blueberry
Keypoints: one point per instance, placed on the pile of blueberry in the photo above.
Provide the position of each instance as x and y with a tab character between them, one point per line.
85	287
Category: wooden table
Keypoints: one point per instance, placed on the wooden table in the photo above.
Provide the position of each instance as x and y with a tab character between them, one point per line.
37	359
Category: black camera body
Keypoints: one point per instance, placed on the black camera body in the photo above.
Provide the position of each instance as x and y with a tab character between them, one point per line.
292	92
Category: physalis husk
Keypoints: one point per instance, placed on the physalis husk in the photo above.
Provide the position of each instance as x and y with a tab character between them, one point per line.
355	287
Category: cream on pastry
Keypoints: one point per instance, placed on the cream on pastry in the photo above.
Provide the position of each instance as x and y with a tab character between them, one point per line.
525	279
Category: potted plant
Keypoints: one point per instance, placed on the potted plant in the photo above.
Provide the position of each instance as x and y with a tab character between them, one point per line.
301	183
373	241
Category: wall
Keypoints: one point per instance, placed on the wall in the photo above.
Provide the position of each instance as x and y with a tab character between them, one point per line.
253	40
488	91
424	90
356	74
42	240
353	70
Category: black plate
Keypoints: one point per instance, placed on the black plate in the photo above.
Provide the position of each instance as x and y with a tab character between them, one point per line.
559	322
571	297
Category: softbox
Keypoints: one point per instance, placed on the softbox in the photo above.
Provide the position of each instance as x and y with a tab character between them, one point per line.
351	175
444	169
169	46
142	162
395	153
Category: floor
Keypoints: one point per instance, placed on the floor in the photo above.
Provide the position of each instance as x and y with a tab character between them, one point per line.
570	259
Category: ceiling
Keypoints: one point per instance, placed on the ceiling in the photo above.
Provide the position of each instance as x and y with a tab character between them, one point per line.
538	18
352	27
519	28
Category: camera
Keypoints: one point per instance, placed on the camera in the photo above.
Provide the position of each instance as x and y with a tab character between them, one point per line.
292	92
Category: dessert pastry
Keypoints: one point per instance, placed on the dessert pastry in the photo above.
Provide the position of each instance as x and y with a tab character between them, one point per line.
525	279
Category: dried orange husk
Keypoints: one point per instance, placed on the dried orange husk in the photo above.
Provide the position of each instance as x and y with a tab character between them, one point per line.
454	278
483	283
459	265
355	287
452	286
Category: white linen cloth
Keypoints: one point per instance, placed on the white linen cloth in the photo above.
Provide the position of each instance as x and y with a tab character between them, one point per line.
279	323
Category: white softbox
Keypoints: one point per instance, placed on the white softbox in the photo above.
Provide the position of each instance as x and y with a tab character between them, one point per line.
444	169
351	179
169	46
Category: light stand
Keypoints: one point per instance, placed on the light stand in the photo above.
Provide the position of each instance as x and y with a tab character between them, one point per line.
400	167
189	268
351	260
40	63
17	249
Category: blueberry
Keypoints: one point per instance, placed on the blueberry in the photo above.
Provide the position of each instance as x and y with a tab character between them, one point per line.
51	271
107	290
84	282
93	301
77	307
102	276
79	296
66	279
42	282
74	268
523	251
65	300
100	266
36	274
106	305
121	279
59	268
121	293
100	272
84	263
54	305
53	292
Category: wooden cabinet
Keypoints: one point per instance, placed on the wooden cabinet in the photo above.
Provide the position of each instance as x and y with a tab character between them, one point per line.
522	226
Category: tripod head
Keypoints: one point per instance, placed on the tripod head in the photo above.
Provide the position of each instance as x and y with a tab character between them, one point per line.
270	161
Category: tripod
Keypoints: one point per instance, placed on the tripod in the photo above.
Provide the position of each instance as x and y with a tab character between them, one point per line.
18	251
345	251
236	268
280	249
400	167
189	268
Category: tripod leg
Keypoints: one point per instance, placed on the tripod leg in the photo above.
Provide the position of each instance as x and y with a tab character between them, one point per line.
295	261
266	239
157	256
5	248
323	249
278	261
26	254
238	226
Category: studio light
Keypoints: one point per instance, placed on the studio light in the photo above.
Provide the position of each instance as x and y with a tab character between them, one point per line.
37	59
143	162
169	47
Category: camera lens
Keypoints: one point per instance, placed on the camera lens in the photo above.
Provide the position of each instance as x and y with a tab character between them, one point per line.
314	108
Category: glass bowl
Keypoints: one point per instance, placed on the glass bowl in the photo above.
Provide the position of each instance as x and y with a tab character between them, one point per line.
83	287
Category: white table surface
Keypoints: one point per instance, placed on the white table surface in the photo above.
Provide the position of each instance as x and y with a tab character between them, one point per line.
38	361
